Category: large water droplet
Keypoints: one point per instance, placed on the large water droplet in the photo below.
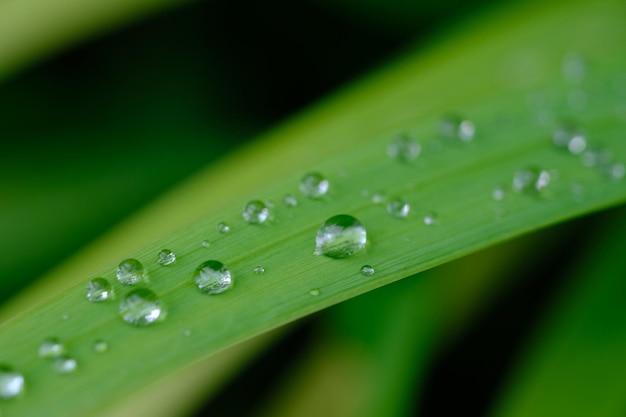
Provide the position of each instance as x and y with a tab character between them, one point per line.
255	212
529	180
141	307
340	236
51	348
367	270
570	138
455	127
404	148
314	185
99	289
11	382
212	277
64	365
166	257
130	271
223	227
398	208
100	346
290	200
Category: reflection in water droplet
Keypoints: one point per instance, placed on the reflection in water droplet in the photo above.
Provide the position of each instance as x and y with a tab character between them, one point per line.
498	193
99	289
51	348
367	270
223	227
166	257
314	292
64	365
11	382
574	68
529	180
259	270
100	346
141	307
255	212
404	148
212	277
314	185
130	271
340	236
290	200
398	208
431	219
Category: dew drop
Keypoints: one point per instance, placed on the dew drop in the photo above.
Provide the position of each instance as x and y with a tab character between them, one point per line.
141	307
529	180
498	193
223	227
404	148
64	365
379	197
51	348
431	219
290	200
100	346
597	157
259	270
455	127
367	270
11	382
570	138
206	243
314	292
398	208
212	277
99	289
314	185
615	171
130	271
166	257
340	236
255	212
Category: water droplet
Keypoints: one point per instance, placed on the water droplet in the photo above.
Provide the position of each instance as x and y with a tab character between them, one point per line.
64	365
616	171
141	307
431	219
314	292
259	270
340	236
455	127
404	148
206	243
255	212
51	348
570	138
597	157
65	317
223	227
574	68
166	257
290	200
130	271
498	193
529	180
398	208
212	277
314	185
99	289
186	332
11	382
100	346
379	197
367	270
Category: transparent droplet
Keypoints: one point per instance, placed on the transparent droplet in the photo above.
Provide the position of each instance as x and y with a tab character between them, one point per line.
530	180
398	208
431	219
51	348
498	193
166	257
340	236
314	292
290	200
64	365
223	227
379	197
206	243
467	130
11	382
255	212
212	277
314	185
99	289
570	138
259	270
455	127
615	171
574	68
404	148
597	157
100	346
130	271
141	307
367	270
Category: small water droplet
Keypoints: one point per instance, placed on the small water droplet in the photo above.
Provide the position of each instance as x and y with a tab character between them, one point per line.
100	346
404	148
498	193
290	200
65	317
259	270
574	68
212	277
455	127
64	365
99	289
223	227
206	243
11	382
340	236
314	292
130	271
314	185
529	180
379	197
615	171
597	157
51	348
431	219
398	208
367	270
141	307
166	257
255	212
570	138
